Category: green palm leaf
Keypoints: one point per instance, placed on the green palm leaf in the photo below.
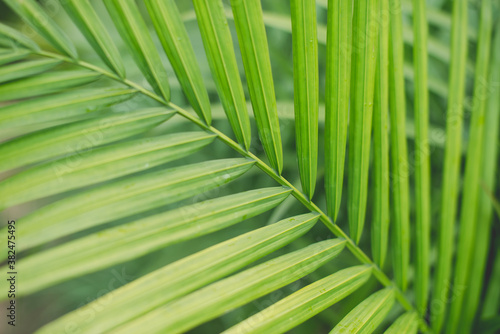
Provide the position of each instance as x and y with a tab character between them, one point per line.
253	42
63	106
84	16
338	77
102	164
78	136
364	56
129	241
305	303
134	32
124	198
31	12
246	286
452	156
219	49
305	68
175	41
399	156
45	84
365	317
472	188
25	69
407	323
184	276
84	189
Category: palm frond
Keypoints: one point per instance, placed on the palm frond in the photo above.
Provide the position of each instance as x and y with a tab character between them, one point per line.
109	177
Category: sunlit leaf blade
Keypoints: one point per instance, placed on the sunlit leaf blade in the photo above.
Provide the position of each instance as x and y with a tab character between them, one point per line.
255	53
175	40
305	303
17	38
33	14
406	323
60	106
366	317
306	90
26	69
124	198
381	216
45	83
186	275
472	180
132	240
399	157
364	61
451	176
227	294
134	31
9	56
338	74
422	156
89	24
222	60
78	137
485	209
85	168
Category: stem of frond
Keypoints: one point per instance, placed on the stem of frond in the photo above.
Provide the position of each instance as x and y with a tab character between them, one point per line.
327	221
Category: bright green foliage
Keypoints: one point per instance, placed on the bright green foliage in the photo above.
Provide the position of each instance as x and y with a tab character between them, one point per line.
380	223
46	83
406	323
84	168
485	208
62	107
175	41
187	312
77	137
17	39
127	178
129	241
219	49
365	317
84	16
134	32
400	225
450	184
11	56
305	94
253	43
31	12
422	156
24	69
184	276
364	62
472	187
338	75
126	197
304	303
